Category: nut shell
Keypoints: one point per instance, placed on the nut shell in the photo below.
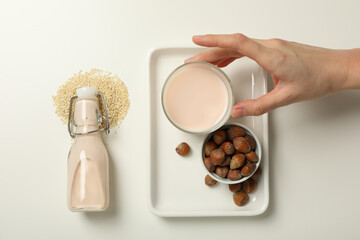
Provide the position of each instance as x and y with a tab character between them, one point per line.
237	161
240	198
209	164
235	132
228	148
209	146
235	187
251	141
234	174
183	149
257	173
219	137
252	157
241	145
209	181
249	185
222	171
217	156
248	169
226	162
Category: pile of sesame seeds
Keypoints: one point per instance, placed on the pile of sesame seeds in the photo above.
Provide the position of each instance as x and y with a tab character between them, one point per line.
114	90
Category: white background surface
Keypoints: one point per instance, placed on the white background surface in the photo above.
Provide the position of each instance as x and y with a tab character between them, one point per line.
314	146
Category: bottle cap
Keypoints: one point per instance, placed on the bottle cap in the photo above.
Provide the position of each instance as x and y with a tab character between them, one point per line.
87	92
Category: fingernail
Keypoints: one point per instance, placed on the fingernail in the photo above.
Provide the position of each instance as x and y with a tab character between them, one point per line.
237	112
189	60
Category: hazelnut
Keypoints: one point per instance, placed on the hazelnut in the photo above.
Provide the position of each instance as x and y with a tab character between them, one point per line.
252	157
228	148
222	171
226	162
235	132
251	141
237	161
241	145
234	174
209	181
257	174
219	137
209	164
240	198
209	146
249	185
248	169
217	156
235	187
183	149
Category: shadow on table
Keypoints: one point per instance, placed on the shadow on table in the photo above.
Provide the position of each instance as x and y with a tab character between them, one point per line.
331	108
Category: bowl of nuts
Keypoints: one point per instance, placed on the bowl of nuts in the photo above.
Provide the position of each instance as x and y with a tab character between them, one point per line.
231	154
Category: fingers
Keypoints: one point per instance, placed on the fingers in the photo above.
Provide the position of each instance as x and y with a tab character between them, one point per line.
261	105
225	62
238	42
214	55
219	40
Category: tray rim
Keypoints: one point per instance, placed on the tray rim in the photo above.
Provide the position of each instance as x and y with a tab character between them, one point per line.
149	132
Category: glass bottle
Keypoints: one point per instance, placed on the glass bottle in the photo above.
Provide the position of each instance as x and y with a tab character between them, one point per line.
88	162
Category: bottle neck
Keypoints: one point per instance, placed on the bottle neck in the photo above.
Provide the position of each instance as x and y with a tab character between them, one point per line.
86	114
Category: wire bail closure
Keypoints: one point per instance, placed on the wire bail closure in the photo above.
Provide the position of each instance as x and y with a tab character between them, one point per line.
99	117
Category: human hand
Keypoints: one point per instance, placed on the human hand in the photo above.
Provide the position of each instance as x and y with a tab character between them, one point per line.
300	72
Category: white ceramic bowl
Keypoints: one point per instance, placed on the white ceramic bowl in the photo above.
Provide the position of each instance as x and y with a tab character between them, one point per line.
257	151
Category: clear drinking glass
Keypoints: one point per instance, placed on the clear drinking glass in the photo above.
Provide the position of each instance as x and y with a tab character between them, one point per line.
215	71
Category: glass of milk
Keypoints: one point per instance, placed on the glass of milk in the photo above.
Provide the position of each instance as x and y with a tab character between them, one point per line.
197	97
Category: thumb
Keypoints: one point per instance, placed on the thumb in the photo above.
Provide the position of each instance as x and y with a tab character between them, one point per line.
261	105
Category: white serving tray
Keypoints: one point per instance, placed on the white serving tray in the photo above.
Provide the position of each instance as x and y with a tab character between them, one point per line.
176	184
